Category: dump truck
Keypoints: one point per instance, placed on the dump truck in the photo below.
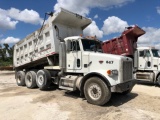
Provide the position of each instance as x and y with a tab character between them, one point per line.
146	59
59	54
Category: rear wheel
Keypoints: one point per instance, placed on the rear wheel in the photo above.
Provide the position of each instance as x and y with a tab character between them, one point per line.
96	91
158	79
30	79
43	79
20	78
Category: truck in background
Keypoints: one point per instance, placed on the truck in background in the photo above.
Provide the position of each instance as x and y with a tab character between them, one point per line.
57	54
146	59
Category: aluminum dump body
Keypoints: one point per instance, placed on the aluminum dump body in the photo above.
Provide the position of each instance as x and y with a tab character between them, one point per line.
34	49
125	44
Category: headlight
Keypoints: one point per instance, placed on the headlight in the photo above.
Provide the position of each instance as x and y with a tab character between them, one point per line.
112	72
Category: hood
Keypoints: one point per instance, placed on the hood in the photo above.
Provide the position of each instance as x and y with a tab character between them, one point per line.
105	55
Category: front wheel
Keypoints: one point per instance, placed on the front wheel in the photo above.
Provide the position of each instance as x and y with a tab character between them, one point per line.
96	91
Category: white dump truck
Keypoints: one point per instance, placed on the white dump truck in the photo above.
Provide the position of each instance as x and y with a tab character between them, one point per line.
146	59
147	65
58	54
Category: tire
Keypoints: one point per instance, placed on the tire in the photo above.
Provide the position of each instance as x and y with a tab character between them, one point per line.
96	91
30	79
20	78
43	79
158	80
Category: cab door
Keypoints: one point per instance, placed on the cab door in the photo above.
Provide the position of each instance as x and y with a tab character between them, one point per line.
145	59
74	56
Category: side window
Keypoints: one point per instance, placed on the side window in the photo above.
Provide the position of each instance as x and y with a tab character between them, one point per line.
75	46
141	53
148	53
145	53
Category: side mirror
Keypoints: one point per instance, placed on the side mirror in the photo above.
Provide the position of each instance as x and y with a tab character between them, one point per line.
68	44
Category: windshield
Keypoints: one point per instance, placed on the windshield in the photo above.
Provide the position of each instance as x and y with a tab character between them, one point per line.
155	53
91	45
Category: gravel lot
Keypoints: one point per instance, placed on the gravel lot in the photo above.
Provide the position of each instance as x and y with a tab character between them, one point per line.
21	103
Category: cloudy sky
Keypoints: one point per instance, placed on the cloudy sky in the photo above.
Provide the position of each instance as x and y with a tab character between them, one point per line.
19	18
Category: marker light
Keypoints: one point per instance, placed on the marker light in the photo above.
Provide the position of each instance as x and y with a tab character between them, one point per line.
109	72
112	72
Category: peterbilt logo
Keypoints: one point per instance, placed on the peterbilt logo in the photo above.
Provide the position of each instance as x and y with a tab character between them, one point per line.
109	62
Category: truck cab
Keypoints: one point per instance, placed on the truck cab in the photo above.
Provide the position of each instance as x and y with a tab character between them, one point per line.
147	59
84	55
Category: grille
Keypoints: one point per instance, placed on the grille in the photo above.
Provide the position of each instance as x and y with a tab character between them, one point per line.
127	70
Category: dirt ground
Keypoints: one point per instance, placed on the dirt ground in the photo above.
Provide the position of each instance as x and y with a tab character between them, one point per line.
21	103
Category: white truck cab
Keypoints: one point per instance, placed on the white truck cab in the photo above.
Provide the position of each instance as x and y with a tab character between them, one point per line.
147	62
85	56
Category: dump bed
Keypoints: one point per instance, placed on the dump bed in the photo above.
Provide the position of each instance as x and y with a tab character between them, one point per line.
34	49
125	44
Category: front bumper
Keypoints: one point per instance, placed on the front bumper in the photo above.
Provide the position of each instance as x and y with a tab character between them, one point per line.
123	86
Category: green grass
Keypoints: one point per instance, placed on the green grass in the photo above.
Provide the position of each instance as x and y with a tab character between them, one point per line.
7	62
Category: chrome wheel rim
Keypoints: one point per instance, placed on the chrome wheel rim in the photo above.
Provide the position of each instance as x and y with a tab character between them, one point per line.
40	80
94	91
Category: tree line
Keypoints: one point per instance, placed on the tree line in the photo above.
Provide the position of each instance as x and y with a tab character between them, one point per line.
6	55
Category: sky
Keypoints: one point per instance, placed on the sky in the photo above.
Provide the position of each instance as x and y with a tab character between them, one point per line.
19	18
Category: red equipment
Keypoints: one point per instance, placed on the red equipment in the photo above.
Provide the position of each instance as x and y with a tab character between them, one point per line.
125	44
